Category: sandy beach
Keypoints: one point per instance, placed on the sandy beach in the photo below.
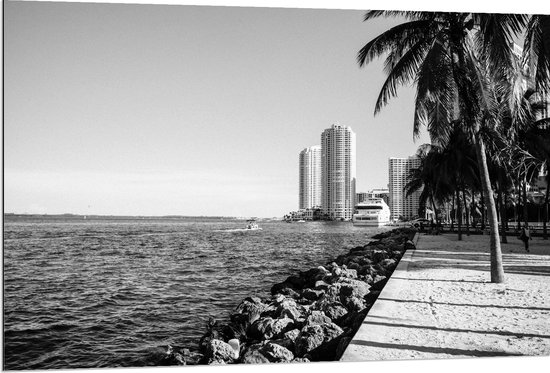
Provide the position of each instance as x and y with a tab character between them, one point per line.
440	303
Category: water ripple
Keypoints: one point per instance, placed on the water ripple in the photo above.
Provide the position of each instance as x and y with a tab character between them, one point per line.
82	294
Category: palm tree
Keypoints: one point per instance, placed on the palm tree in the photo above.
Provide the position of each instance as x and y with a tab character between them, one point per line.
537	50
425	178
448	56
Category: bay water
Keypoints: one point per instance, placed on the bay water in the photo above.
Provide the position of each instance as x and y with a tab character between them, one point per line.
105	292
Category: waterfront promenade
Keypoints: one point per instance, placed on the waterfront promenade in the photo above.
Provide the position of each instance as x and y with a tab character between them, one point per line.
440	303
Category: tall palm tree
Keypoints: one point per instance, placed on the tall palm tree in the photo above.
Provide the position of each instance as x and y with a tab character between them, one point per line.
537	50
448	56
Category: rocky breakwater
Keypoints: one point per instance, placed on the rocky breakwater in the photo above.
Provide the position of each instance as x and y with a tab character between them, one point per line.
311	316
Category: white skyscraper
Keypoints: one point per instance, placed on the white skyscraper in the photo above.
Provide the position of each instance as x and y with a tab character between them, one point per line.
310	177
338	172
400	205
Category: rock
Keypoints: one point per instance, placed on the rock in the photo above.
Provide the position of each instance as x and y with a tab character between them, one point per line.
379	282
276	353
354	266
348	273
332	294
310	337
389	264
335	311
292	334
321	285
267	352
235	345
252	355
281	287
267	328
409	245
300	360
173	357
251	304
219	352
354	304
317	317
313	336
297	282
312	294
285	342
379	255
287	307
367	270
336	270
351	287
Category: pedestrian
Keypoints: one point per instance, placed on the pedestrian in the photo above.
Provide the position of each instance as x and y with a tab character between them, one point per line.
525	236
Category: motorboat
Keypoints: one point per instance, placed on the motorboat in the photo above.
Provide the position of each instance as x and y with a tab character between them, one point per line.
252	225
373	212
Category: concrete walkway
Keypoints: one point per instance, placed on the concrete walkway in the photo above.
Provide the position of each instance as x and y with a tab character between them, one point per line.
440	303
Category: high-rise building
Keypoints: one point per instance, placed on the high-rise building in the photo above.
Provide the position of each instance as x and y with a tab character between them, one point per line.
400	204
374	193
338	170
310	177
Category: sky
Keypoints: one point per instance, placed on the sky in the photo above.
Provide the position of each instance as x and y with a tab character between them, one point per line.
125	109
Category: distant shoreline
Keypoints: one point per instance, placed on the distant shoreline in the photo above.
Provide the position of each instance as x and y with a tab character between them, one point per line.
123	217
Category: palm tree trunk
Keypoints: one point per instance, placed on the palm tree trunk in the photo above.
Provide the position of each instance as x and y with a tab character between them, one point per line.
482	208
435	212
466	210
453	215
546	197
497	270
502	208
459	214
525	210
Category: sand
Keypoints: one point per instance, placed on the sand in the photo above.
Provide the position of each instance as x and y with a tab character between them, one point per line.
440	303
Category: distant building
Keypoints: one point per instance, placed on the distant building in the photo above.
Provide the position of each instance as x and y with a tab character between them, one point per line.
338	170
383	193
310	177
361	197
400	205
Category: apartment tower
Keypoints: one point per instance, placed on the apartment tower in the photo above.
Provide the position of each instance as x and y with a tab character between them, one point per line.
310	177
338	170
400	205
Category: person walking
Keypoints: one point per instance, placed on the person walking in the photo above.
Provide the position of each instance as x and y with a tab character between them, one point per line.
525	236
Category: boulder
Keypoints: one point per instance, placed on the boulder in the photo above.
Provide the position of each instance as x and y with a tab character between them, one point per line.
347	272
379	282
292	334
310	337
321	285
252	355
367	270
352	287
313	336
251	304
218	351
287	307
335	311
317	317
354	304
300	360
267	328
312	294
276	353
389	264
379	255
266	352
409	245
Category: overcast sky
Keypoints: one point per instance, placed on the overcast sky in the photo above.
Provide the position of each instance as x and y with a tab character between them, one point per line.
187	110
